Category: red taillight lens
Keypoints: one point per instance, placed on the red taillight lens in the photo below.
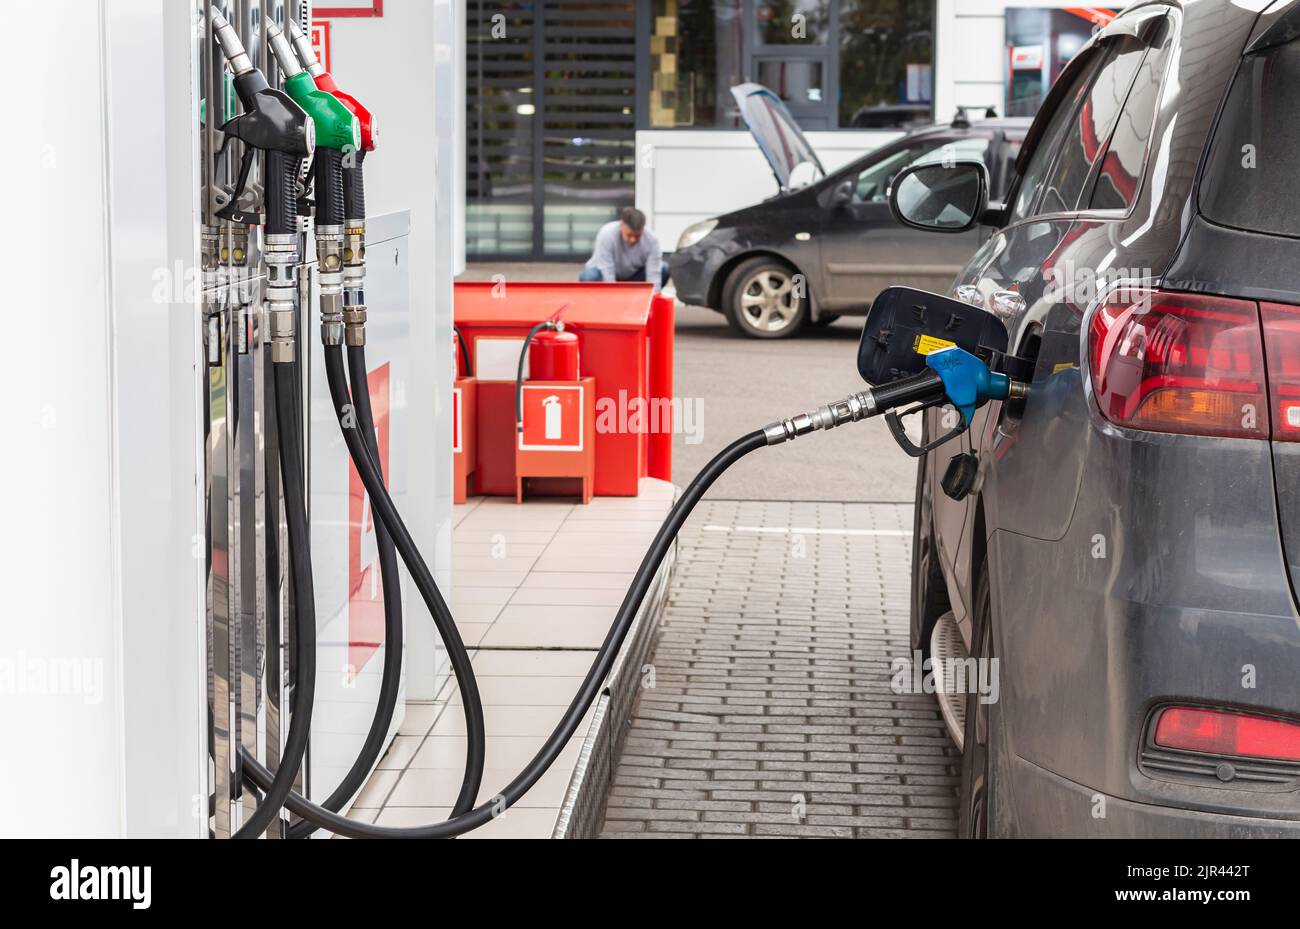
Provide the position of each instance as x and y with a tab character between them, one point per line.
1282	345
1219	732
1184	363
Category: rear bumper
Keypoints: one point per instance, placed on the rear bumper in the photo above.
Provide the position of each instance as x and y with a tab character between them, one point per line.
1047	805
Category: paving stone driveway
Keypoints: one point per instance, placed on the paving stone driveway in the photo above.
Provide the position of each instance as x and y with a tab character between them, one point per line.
771	712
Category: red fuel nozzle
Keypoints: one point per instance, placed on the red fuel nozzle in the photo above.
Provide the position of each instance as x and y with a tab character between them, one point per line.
325	82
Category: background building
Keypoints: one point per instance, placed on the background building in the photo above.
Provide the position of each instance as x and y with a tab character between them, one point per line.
557	90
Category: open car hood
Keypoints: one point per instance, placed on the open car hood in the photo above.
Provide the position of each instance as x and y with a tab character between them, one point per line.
779	137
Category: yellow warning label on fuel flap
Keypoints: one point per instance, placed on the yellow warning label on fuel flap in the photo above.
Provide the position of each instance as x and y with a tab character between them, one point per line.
927	344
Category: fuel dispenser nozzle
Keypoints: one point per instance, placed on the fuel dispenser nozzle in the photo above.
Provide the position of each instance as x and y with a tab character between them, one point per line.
338	140
277	126
354	189
952	375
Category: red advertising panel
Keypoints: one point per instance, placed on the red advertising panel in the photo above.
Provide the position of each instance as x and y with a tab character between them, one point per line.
365	587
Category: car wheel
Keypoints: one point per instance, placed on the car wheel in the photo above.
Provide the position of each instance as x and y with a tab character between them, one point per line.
929	590
763	299
982	719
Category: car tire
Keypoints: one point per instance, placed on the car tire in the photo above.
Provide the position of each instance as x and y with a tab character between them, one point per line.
761	299
978	783
929	589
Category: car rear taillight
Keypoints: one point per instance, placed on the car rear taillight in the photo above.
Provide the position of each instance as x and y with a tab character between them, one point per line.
1282	347
1222	732
1184	363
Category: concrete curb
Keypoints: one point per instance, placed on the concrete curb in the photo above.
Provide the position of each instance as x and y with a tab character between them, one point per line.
584	802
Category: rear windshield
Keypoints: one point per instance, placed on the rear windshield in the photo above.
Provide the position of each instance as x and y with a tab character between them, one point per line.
1251	180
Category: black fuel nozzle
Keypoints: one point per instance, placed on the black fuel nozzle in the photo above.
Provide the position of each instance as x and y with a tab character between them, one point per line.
271	123
277	126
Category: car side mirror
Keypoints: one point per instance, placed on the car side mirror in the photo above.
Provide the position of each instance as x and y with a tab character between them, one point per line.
940	197
905	325
843	194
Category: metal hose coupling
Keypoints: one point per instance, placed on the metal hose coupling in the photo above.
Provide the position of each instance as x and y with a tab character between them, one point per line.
281	255
849	410
329	257
354	253
354	318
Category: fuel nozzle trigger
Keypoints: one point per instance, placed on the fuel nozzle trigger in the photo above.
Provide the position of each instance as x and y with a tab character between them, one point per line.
274	123
967	384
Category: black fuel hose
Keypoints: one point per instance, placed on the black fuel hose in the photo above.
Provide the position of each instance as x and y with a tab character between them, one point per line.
354	187
277	789
282	193
386	510
591	684
328	173
386	513
391	679
465	369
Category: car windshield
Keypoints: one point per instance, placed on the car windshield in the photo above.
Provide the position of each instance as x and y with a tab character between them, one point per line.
1250	178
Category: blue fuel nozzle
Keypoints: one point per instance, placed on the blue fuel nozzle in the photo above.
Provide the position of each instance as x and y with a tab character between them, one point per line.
967	381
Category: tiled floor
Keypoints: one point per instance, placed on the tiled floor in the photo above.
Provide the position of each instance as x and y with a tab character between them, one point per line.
534	591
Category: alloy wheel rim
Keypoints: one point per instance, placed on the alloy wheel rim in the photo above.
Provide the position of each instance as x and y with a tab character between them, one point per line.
768	301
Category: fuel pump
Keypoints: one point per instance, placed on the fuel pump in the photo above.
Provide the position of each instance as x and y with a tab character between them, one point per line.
285	135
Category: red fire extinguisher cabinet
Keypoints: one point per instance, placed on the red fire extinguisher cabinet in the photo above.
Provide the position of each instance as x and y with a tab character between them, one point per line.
625	346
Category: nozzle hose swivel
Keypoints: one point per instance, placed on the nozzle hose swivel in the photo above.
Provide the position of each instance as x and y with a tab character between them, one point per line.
849	410
302	45
230	44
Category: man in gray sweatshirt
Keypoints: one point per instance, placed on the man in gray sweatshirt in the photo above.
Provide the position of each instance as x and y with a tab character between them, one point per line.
627	251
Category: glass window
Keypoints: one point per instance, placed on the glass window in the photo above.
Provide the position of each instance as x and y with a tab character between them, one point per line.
1059	122
696	57
501	109
886	55
793	22
798	82
1091	126
1130	144
1250	180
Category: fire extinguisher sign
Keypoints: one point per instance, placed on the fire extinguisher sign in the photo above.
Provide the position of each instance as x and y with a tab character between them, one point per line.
552	419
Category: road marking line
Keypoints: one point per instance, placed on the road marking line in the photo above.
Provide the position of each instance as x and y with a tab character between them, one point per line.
797	530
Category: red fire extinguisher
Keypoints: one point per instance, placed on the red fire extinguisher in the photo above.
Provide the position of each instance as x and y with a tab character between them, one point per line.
552	354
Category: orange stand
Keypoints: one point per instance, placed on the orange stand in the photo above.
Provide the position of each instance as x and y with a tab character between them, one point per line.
559	435
465	444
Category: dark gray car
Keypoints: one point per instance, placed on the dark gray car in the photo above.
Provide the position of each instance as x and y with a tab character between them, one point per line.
825	249
1130	550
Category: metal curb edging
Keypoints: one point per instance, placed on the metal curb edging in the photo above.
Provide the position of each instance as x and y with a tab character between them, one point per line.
584	802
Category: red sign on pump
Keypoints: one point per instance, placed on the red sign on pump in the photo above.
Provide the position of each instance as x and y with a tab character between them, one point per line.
365	587
553	416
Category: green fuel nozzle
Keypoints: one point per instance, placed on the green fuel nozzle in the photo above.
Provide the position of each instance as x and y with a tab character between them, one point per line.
338	141
336	127
354	187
